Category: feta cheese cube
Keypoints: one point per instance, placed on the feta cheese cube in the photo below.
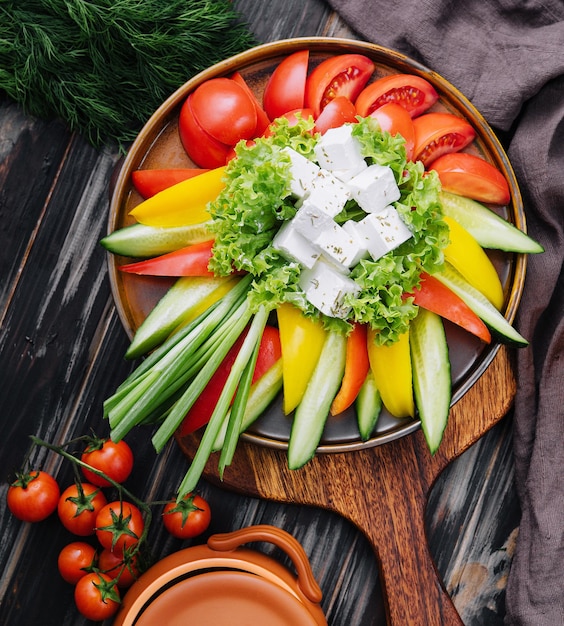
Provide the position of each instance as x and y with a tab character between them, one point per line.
311	219
383	232
295	247
303	172
339	150
325	287
339	246
374	188
351	227
328	193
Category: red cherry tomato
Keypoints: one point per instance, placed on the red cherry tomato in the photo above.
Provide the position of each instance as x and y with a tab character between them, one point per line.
471	176
224	110
200	146
96	597
394	119
76	560
262	118
338	112
341	75
113	459
79	506
188	518
33	496
119	525
440	133
285	90
122	567
413	93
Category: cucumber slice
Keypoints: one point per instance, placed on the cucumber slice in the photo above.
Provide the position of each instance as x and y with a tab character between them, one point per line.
432	385
141	241
368	407
483	308
311	414
488	228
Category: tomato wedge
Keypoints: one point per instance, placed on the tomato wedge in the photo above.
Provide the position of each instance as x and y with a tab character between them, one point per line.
262	118
341	75
285	90
414	93
293	118
200	146
440	133
149	182
394	119
471	176
338	112
224	109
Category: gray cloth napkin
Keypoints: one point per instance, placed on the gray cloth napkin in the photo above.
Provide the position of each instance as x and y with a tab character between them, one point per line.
507	57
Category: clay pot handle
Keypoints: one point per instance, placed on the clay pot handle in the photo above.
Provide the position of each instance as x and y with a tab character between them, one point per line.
283	540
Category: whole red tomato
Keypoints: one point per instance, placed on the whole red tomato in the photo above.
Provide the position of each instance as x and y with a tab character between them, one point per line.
96	597
78	507
188	518
76	560
119	525
115	565
33	496
113	459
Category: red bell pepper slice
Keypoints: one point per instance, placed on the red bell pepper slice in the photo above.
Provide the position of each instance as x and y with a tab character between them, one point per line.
356	369
438	298
201	411
150	182
193	260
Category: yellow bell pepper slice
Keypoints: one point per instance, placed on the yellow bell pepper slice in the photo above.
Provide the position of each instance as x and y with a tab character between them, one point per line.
301	342
469	258
182	204
391	368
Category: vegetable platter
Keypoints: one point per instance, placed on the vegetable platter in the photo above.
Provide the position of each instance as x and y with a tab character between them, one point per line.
459	357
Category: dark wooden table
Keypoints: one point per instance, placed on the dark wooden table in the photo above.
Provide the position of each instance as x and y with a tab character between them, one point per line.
61	355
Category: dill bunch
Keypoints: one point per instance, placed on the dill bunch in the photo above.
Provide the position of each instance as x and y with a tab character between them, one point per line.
104	66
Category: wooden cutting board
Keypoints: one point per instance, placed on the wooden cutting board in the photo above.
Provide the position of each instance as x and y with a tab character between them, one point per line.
382	490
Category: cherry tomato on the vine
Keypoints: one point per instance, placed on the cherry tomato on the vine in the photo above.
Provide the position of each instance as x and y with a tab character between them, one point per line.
340	75
33	496
471	176
119	525
413	93
394	119
440	133
76	560
96	597
113	459
123	565
285	90
337	112
188	518
224	109
78	507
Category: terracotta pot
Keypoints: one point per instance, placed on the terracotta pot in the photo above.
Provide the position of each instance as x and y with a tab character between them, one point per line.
224	583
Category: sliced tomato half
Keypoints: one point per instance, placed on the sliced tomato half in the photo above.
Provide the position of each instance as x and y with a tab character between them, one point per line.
471	176
394	119
414	93
440	133
338	112
341	75
285	90
262	118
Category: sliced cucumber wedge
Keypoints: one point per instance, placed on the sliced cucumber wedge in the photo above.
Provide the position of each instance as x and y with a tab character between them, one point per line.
368	406
311	414
488	228
432	385
483	308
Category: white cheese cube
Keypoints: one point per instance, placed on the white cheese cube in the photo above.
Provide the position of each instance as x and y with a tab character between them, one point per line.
339	150
295	247
325	287
383	232
339	246
374	188
351	227
328	193
311	219
303	172
346	175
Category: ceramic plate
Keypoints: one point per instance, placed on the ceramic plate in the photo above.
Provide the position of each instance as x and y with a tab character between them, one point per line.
158	146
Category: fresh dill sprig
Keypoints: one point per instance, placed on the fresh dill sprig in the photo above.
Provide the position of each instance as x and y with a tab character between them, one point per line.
104	66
